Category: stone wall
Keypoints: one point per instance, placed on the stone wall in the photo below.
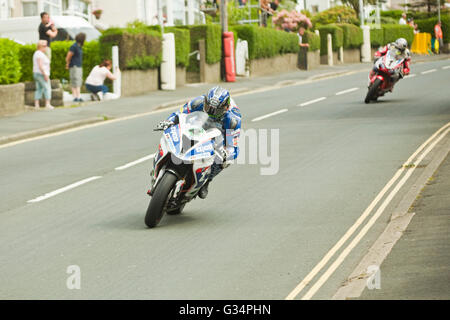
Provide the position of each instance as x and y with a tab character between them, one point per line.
181	76
352	55
308	60
12	99
266	66
57	94
137	82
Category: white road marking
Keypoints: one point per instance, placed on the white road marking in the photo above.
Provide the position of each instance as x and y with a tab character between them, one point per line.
410	76
131	164
69	187
311	102
346	91
370	223
358	222
446	67
428	71
270	115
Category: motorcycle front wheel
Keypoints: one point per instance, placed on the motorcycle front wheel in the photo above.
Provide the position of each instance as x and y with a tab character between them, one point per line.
159	200
372	94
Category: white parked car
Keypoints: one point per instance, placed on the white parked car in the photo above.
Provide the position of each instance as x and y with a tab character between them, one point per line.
25	30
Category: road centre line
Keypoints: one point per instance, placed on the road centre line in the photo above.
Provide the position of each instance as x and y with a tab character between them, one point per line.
131	164
311	102
370	223
61	190
445	67
346	91
269	115
359	221
412	75
428	71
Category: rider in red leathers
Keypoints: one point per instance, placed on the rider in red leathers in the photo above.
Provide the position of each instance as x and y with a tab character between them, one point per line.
401	45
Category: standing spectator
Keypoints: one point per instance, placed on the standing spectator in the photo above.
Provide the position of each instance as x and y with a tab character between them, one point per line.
47	31
402	19
41	75
74	62
439	36
95	80
301	32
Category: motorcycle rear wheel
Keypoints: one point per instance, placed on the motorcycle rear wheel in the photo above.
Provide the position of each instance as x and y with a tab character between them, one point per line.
159	200
372	94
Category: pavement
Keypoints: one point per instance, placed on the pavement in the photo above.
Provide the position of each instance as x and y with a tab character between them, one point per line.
418	267
256	236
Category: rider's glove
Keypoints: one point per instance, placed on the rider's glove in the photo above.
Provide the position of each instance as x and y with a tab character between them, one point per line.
163	125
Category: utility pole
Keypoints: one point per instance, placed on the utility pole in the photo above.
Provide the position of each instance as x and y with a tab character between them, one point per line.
361	11
439	11
224	15
160	16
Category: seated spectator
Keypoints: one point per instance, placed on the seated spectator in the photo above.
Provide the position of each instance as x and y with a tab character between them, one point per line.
95	81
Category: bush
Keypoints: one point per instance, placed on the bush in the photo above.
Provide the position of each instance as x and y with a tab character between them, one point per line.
91	57
338	14
353	35
26	53
10	70
58	63
267	42
182	45
212	34
394	31
393	14
377	38
337	36
427	25
312	39
140	47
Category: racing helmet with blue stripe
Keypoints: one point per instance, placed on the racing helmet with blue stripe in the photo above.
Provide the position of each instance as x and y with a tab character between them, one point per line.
217	101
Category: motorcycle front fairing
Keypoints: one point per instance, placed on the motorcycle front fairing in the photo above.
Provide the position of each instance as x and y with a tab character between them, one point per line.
385	67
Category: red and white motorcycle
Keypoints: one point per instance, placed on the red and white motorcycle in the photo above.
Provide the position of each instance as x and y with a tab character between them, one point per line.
382	76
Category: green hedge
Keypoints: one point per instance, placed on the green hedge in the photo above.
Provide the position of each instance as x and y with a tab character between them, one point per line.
427	25
267	42
377	38
337	35
10	70
182	45
394	31
91	58
58	63
26	53
353	35
140	47
312	39
212	34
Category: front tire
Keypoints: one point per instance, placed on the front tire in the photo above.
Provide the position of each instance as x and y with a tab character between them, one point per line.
159	200
373	91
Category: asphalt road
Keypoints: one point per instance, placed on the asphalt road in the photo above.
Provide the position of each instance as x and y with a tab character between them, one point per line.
254	237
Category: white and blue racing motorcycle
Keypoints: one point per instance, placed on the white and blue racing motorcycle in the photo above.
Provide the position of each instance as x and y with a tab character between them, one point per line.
182	165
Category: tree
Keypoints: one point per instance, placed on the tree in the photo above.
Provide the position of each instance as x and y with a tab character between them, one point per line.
355	3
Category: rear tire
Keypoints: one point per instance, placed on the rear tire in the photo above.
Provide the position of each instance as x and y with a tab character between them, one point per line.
373	91
159	200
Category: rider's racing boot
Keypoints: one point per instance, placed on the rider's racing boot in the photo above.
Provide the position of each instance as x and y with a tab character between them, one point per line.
203	193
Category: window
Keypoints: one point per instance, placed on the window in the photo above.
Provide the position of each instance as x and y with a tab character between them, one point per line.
30	8
53	7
